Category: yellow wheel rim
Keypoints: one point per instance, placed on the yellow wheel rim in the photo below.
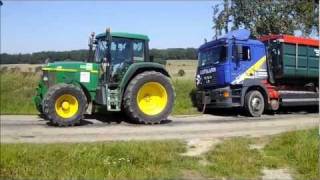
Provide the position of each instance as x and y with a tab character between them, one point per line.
66	106
152	98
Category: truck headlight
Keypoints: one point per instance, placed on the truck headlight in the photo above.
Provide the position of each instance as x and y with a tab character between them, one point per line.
198	80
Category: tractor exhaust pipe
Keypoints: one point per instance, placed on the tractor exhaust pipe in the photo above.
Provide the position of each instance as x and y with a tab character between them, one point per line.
91	47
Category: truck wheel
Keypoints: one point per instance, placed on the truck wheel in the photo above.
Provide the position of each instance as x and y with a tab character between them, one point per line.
254	103
149	98
64	104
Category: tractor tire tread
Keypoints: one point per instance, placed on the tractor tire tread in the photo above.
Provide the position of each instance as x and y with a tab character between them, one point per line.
131	109
49	112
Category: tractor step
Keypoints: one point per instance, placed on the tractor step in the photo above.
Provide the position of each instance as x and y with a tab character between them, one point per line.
113	101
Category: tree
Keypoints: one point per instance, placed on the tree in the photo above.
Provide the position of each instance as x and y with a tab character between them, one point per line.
267	16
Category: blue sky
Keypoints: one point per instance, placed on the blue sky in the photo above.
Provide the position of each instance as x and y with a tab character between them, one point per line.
32	26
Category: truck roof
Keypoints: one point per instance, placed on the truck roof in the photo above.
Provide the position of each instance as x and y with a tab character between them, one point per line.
125	35
224	40
290	39
240	35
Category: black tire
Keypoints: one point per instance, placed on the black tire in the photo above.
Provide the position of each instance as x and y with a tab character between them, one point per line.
40	109
130	104
51	97
254	103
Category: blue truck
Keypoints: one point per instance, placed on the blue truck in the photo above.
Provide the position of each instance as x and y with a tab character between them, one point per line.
257	74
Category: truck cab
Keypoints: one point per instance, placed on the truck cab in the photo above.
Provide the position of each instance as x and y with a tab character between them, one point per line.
236	71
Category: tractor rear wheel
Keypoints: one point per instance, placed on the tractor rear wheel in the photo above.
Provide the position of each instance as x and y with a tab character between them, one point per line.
64	104
149	98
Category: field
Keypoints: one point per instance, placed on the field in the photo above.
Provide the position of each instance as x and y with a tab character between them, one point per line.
230	159
18	83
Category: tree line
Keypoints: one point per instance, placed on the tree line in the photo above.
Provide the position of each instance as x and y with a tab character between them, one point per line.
267	17
41	57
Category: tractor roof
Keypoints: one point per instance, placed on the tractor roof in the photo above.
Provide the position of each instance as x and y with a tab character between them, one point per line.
124	35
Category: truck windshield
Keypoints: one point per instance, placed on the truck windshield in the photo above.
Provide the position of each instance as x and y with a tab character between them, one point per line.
214	55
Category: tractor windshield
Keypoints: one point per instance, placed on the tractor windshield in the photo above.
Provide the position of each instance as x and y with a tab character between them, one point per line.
213	55
121	50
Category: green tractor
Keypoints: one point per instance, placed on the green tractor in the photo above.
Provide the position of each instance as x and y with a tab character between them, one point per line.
119	75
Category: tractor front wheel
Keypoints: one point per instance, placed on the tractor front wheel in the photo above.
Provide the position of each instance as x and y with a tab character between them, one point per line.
64	104
149	98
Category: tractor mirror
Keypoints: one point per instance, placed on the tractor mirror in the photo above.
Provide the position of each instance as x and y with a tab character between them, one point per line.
151	58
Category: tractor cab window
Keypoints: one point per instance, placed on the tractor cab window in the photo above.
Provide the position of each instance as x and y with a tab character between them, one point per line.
120	51
121	57
138	50
100	51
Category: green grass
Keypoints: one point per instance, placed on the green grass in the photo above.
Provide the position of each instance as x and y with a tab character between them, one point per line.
183	101
17	90
114	160
298	150
231	159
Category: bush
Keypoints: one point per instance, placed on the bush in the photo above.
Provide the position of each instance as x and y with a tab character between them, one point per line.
181	72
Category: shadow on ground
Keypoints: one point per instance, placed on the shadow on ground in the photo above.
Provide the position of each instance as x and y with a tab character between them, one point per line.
282	110
108	118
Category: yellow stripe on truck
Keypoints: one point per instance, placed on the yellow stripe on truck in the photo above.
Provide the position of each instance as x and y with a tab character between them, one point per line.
251	71
256	66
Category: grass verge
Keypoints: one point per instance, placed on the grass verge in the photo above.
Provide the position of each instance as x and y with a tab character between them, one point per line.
17	90
183	101
114	160
231	159
298	150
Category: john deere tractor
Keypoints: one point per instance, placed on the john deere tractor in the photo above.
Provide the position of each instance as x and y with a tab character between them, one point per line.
119	75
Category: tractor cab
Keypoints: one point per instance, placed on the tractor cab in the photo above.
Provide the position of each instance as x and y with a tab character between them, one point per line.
117	51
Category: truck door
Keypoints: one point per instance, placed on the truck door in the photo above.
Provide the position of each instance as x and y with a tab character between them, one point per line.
241	61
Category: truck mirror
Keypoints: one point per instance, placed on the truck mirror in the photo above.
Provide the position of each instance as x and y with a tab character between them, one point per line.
239	52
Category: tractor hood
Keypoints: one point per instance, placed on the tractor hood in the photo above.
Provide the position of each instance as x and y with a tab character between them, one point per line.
71	66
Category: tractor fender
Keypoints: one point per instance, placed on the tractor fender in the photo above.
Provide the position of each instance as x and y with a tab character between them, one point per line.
138	68
84	89
253	84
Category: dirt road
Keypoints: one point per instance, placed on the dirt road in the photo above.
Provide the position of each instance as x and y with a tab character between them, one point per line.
32	129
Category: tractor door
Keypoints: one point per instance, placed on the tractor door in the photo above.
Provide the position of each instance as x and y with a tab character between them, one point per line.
124	52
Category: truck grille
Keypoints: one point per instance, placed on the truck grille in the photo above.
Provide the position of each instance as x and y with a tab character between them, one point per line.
209	79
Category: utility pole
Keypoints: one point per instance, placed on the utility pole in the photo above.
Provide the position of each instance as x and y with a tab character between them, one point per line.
0	30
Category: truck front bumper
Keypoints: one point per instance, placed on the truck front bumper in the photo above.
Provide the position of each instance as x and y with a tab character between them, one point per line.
218	98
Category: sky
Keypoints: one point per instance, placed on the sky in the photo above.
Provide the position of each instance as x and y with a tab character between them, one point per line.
33	26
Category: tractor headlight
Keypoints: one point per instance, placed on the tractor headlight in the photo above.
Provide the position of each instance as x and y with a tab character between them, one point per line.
45	76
